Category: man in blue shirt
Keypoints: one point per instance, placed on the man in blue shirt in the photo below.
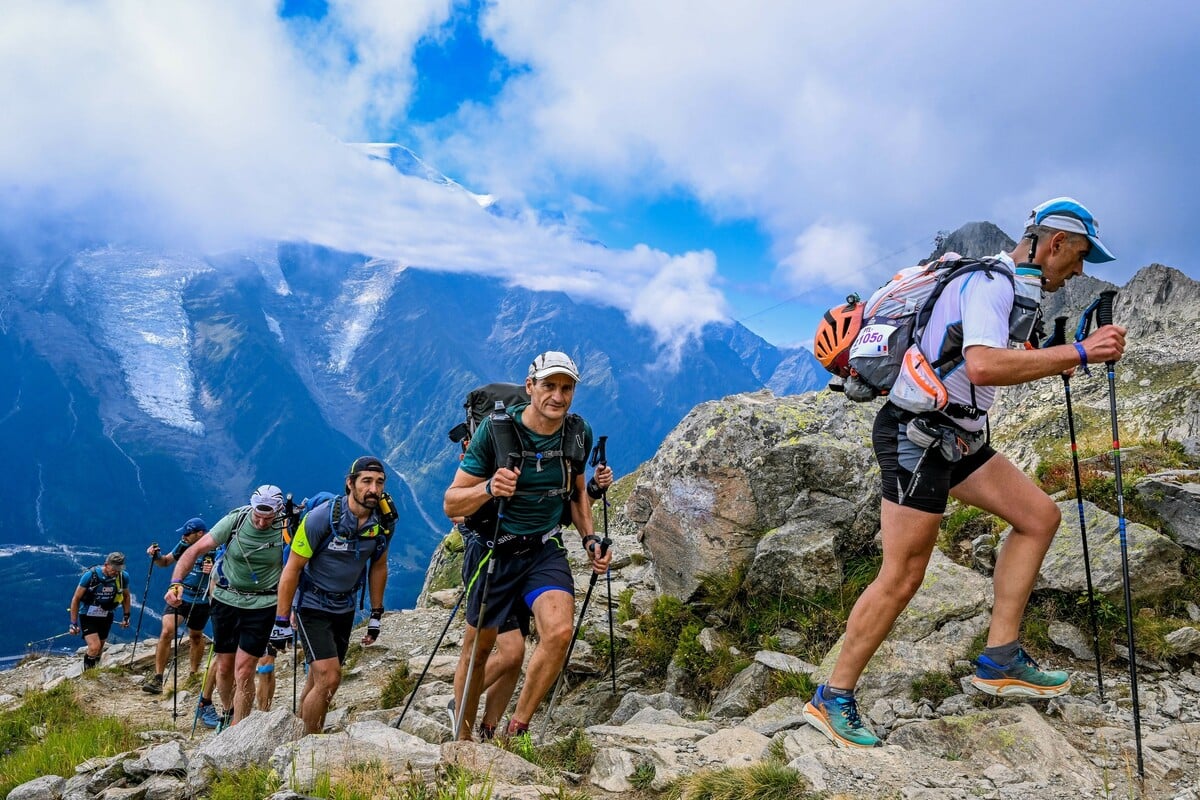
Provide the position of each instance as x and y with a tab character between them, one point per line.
193	610
101	589
339	545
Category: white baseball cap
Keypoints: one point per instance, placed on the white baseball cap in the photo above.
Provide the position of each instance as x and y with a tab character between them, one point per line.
553	362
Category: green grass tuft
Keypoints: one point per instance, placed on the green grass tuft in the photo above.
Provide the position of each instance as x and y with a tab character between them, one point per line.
72	735
960	527
399	684
764	781
654	642
934	687
371	781
789	684
572	753
643	776
625	609
249	782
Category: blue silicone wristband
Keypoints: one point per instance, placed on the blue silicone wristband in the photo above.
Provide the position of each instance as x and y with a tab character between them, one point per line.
1082	354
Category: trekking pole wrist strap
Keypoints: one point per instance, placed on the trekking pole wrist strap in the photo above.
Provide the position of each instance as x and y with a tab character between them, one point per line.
593	489
1082	354
591	537
487	487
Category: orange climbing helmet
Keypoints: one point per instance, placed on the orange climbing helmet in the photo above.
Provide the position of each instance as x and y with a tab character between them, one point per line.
836	332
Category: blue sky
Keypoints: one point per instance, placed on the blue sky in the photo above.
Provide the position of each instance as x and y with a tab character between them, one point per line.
737	161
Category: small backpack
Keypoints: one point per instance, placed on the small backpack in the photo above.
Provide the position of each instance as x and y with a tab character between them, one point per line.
89	591
387	525
219	579
884	357
481	402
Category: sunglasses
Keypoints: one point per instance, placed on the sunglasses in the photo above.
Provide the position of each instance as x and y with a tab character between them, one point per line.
263	509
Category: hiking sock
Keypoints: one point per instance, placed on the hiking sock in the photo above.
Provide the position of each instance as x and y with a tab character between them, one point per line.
1002	655
90	661
486	732
830	693
517	728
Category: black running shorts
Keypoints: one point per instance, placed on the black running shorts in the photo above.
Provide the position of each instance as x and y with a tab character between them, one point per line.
516	581
245	629
324	634
518	620
97	625
195	614
898	457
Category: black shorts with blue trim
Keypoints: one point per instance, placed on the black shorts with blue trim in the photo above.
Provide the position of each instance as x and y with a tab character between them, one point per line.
516	581
898	457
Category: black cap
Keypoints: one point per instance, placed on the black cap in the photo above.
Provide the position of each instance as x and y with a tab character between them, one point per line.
366	464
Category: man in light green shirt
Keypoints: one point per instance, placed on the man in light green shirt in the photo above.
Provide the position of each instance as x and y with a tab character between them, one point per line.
245	584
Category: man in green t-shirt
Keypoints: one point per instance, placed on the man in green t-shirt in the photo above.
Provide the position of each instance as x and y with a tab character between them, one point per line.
244	589
528	562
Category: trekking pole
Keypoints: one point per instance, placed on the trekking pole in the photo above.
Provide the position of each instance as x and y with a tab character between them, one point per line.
600	456
1060	337
203	681
175	676
301	631
142	610
510	463
295	671
429	661
1104	317
50	638
562	673
175	663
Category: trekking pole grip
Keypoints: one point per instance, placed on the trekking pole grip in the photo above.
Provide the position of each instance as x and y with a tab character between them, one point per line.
510	462
1104	310
1060	332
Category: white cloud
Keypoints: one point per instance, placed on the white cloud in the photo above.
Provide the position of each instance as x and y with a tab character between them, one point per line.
842	130
839	256
901	118
207	125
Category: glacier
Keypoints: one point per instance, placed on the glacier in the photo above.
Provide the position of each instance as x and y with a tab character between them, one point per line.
363	295
136	299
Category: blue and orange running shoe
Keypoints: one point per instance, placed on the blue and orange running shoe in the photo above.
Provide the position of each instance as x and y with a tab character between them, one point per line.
1021	678
838	719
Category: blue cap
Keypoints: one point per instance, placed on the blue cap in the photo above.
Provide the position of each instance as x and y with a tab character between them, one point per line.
193	525
1068	214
